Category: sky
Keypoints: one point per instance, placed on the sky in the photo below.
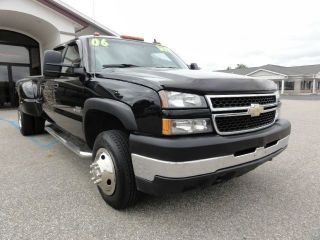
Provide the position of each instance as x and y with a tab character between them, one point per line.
218	34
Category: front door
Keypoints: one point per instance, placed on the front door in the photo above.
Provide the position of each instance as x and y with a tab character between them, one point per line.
64	96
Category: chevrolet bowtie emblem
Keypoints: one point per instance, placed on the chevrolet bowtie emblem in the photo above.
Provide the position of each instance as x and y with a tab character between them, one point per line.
255	110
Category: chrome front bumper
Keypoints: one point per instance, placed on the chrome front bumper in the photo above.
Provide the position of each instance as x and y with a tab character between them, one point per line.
147	168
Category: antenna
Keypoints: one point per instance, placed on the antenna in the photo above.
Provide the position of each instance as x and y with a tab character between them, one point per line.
94	46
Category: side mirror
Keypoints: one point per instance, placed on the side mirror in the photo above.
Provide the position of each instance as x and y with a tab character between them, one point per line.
52	64
194	66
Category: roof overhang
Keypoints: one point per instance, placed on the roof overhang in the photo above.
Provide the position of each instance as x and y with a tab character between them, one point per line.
265	70
75	16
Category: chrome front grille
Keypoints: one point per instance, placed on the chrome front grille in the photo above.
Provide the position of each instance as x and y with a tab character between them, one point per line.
232	102
231	114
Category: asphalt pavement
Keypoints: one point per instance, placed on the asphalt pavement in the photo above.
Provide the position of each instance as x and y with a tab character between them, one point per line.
45	193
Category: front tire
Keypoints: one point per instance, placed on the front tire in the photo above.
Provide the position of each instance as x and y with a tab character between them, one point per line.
112	169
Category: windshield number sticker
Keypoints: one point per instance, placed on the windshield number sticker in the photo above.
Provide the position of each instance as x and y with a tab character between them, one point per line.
96	42
163	48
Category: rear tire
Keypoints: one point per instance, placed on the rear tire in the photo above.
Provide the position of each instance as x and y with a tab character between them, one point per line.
39	125
115	145
30	125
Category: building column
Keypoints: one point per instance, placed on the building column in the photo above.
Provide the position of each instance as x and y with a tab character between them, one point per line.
282	86
314	86
297	87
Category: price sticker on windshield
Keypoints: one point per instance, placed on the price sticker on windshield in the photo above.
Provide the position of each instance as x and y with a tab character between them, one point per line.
97	42
163	48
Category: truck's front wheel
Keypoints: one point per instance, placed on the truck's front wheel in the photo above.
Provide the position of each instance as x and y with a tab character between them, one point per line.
112	169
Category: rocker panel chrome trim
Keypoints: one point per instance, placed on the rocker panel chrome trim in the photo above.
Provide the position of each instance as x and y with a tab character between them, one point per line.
79	149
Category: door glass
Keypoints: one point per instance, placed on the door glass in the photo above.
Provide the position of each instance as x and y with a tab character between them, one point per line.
14	54
72	57
19	72
4	85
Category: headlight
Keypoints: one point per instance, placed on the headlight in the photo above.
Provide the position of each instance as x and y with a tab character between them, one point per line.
171	99
186	126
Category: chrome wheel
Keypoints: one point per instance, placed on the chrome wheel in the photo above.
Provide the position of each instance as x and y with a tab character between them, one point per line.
19	120
103	171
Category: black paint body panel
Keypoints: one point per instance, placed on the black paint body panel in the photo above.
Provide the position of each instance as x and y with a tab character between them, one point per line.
194	81
29	91
143	101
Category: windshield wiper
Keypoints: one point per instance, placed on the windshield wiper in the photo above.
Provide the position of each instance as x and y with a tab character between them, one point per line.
122	65
166	67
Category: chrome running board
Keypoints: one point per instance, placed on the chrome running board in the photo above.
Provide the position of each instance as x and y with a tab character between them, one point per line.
72	143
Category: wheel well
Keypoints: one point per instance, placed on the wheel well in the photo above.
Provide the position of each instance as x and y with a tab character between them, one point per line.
97	122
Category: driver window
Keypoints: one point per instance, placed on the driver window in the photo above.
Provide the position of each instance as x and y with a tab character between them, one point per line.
71	57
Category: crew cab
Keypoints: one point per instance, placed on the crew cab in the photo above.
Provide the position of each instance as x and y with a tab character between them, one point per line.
150	122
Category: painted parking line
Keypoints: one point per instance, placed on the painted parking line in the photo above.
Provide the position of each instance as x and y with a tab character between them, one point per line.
34	139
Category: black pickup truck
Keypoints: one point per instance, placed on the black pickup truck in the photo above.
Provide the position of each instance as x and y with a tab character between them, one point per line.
150	122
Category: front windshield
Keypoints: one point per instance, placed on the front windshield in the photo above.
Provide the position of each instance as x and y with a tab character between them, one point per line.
112	53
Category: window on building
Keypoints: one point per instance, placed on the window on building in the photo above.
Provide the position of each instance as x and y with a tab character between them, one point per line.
72	57
306	85
318	85
14	54
19	72
288	85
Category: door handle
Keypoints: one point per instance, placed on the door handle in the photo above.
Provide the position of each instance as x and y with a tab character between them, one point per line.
55	86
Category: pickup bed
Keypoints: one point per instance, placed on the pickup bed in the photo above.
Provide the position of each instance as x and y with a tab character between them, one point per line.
150	122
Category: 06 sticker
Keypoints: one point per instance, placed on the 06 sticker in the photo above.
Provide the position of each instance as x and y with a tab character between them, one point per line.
97	42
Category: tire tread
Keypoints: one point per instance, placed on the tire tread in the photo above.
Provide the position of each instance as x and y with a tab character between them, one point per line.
118	141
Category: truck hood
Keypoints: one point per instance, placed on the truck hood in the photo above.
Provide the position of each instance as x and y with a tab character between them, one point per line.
197	81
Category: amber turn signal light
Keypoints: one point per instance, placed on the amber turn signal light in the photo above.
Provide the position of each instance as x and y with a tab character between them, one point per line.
166	126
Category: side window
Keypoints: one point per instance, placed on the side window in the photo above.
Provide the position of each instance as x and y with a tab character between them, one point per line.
71	57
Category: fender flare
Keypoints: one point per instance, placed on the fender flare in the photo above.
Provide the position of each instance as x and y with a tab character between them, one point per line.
29	100
115	108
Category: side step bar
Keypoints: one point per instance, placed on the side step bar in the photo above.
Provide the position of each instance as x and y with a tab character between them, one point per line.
72	143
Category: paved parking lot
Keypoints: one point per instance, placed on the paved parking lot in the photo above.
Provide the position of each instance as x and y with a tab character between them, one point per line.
45	193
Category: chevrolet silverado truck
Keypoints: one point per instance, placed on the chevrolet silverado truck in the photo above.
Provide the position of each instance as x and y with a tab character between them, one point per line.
150	122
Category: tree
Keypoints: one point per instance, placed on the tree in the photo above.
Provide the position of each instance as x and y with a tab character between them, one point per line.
240	65
228	68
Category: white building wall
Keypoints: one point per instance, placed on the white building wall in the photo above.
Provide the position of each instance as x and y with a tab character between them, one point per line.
36	9
40	22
